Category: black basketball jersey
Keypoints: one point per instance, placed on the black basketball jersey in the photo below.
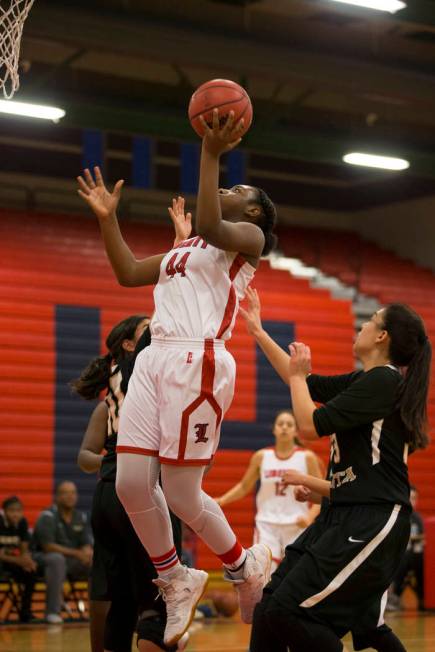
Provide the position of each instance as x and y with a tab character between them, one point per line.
116	392
369	441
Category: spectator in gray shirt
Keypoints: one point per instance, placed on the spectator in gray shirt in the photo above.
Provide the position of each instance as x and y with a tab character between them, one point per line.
62	544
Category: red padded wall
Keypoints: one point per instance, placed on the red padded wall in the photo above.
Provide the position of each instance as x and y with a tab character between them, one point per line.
48	260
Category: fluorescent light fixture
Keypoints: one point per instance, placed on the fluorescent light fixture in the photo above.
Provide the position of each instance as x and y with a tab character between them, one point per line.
32	110
375	161
381	5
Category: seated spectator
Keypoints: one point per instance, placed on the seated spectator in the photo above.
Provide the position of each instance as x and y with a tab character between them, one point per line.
62	544
412	561
15	559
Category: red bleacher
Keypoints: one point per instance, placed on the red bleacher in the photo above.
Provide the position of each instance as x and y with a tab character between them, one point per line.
48	260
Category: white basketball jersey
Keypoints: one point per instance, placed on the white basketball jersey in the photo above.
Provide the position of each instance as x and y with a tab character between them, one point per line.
198	291
275	499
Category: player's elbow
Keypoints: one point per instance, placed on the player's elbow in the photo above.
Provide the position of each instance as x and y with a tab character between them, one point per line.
82	462
126	274
307	431
125	280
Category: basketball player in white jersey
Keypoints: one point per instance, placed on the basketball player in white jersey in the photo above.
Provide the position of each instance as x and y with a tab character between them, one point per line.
183	383
280	518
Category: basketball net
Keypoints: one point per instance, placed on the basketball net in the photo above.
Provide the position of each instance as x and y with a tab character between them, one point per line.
13	13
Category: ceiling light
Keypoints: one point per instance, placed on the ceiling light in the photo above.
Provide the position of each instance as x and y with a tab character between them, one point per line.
32	110
381	5
375	161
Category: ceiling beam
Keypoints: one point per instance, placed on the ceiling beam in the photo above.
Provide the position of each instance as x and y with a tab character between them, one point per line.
291	143
242	55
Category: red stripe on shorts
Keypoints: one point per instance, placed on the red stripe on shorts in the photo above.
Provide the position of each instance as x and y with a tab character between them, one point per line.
207	381
137	451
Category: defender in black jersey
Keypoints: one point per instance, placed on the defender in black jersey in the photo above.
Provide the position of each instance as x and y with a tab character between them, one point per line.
364	634
122	573
373	417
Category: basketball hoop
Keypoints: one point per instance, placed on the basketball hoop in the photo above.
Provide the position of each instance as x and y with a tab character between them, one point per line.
13	13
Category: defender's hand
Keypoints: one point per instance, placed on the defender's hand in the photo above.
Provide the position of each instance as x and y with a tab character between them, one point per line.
252	315
182	222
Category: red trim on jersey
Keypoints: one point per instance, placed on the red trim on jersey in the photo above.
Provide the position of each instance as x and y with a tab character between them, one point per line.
137	450
207	381
238	263
296	449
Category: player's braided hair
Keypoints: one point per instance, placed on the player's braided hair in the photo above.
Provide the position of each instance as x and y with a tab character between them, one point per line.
268	223
95	378
410	349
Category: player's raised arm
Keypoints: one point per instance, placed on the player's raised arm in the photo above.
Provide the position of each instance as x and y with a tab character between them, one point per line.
128	270
242	236
278	358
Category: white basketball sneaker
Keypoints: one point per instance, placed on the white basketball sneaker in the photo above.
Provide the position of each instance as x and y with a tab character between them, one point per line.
181	592
255	574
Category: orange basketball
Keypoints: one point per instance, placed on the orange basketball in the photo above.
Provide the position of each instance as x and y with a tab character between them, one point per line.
222	94
225	602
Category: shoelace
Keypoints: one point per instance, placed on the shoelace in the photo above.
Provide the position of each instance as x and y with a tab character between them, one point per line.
162	593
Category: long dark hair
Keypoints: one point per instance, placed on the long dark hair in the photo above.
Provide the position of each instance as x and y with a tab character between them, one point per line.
410	348
268	221
96	376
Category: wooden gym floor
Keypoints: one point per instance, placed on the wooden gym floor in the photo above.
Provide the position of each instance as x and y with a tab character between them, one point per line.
417	632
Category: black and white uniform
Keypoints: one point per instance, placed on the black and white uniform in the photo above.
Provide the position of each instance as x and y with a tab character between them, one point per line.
122	571
342	565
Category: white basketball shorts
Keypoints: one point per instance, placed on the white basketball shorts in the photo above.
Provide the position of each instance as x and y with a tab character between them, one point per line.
177	396
276	536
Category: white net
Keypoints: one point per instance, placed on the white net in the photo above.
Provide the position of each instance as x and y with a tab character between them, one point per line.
13	13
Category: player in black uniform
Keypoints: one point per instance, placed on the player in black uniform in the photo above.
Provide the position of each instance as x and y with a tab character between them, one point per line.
314	490
373	417
122	573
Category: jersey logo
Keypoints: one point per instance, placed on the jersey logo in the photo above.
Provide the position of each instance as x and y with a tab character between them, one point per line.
352	540
342	477
201	429
193	242
189	357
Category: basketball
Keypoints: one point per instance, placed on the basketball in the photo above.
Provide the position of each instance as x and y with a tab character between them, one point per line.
222	94
225	602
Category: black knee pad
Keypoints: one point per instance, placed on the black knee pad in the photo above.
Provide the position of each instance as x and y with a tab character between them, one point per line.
151	627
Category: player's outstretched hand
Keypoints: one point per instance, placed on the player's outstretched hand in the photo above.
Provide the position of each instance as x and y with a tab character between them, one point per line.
300	360
182	221
252	314
95	193
218	138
